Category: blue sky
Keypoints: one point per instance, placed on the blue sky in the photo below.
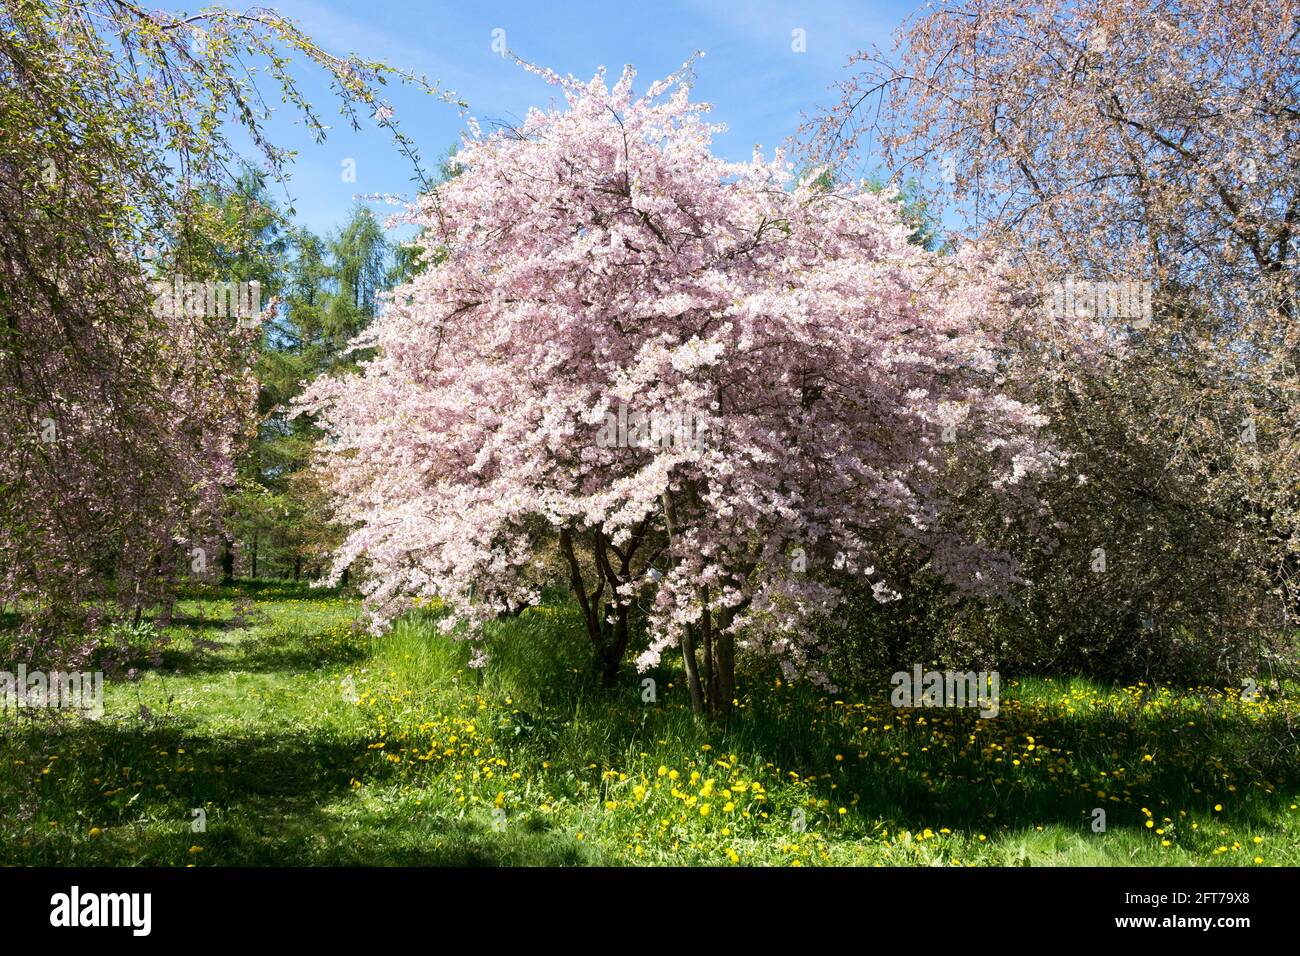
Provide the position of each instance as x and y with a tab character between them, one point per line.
758	85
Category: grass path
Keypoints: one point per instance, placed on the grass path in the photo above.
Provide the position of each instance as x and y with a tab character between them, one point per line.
250	721
299	740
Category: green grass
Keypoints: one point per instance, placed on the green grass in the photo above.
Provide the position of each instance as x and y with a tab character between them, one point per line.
307	742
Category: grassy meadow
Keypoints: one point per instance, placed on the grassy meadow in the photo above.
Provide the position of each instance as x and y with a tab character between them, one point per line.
302	740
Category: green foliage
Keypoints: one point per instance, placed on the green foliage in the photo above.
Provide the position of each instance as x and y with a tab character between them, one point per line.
329	292
912	204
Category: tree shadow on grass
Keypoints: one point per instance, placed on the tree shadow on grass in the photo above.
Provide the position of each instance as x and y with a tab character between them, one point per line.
281	799
262	652
1030	768
195	623
296	653
259	589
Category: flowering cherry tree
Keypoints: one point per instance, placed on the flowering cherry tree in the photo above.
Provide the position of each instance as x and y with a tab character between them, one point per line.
600	264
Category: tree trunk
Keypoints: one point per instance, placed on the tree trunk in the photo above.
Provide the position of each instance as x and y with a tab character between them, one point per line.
227	561
615	647
609	639
726	669
590	604
692	672
706	639
719	661
698	702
